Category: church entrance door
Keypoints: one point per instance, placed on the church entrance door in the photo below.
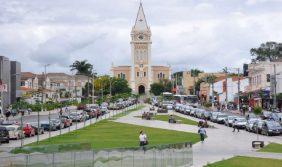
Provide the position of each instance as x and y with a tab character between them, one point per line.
141	89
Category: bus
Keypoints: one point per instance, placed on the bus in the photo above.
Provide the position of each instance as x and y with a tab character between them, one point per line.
191	99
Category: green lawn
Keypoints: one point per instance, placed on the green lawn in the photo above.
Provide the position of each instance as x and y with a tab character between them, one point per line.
108	134
240	161
183	120
272	147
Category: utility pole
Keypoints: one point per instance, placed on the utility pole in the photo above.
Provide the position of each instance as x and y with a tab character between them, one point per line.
238	107
226	86
93	89
275	85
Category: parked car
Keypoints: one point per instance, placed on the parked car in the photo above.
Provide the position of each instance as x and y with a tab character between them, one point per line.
198	113
58	123
4	135
39	130
266	115
48	126
81	107
229	120
214	116
240	123
187	110
193	111
28	130
177	107
207	115
271	128
220	118
90	112
15	132
257	126
277	117
250	124
66	121
251	116
103	110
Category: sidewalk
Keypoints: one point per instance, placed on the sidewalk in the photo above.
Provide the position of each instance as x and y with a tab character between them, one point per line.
55	111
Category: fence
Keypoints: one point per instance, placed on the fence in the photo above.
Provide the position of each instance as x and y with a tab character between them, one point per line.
171	155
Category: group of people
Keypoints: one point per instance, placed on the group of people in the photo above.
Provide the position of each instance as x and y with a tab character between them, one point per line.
146	115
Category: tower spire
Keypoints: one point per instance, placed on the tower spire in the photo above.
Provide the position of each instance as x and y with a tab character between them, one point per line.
140	22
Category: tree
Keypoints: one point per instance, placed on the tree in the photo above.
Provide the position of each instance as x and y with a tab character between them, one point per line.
106	85
267	51
157	88
195	73
82	68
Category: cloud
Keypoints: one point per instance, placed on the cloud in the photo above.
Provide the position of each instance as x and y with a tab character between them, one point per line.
185	34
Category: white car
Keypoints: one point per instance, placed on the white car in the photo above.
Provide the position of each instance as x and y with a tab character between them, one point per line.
15	131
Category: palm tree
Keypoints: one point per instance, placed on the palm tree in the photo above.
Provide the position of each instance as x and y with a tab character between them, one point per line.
82	68
210	79
195	73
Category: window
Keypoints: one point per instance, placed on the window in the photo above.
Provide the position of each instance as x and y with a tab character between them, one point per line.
141	65
144	74
268	77
118	75
163	75
137	74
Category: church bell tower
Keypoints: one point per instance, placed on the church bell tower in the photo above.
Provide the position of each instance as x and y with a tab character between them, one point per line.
141	77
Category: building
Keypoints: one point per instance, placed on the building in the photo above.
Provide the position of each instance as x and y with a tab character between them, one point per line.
231	87
141	74
54	86
262	87
9	82
5	76
185	81
15	81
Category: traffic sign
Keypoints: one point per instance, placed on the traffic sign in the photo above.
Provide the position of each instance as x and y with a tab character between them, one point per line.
4	88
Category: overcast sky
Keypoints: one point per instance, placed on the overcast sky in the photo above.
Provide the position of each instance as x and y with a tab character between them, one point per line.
206	34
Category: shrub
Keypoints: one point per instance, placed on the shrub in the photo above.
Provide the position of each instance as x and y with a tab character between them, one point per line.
257	110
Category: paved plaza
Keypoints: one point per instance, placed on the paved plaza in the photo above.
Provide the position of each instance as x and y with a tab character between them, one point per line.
221	143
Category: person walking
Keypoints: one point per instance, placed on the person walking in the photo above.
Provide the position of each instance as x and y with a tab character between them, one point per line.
143	139
234	126
202	132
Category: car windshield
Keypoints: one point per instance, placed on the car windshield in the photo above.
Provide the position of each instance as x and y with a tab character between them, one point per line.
241	120
251	121
221	115
73	114
231	118
273	124
10	128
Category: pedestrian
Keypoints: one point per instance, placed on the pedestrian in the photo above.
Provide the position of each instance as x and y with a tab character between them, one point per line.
234	126
28	111
143	138
61	111
250	109
66	109
7	114
202	132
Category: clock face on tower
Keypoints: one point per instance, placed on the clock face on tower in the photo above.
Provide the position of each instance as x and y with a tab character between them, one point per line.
140	37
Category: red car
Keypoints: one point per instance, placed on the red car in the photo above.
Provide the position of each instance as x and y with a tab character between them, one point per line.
67	122
28	130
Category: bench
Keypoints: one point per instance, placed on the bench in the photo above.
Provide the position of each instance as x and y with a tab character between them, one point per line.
257	144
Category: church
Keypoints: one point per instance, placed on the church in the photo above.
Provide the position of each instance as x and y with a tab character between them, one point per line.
141	74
